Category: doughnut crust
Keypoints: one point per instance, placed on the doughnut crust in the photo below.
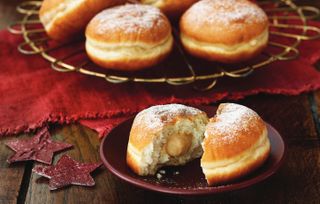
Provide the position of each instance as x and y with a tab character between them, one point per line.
129	37
172	8
64	18
165	135
228	31
236	143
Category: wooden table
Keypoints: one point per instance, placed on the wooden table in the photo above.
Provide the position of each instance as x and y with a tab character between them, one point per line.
296	117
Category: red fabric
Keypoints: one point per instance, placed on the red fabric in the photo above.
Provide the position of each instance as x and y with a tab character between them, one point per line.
32	94
103	126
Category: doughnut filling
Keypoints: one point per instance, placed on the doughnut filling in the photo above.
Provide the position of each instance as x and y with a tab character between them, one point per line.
129	37
165	135
178	145
228	31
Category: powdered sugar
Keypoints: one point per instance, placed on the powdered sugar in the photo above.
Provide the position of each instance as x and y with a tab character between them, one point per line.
156	116
230	120
129	18
227	12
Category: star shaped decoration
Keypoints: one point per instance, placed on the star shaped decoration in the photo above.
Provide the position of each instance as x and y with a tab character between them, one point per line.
38	148
67	172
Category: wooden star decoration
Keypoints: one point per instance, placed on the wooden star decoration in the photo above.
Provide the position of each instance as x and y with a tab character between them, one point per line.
67	172
38	148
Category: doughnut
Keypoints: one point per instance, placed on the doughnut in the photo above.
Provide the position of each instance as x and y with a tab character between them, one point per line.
236	143
172	8
228	31
129	37
165	135
62	19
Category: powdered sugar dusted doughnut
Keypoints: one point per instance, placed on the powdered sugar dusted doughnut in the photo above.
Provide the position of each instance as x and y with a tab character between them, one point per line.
236	143
165	135
228	31
129	37
64	18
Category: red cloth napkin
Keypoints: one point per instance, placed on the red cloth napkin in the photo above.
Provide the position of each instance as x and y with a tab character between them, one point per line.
32	94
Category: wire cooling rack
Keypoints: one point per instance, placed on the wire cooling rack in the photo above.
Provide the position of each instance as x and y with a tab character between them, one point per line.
288	27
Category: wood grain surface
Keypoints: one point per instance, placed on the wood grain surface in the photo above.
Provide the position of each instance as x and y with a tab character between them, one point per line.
10	176
297	118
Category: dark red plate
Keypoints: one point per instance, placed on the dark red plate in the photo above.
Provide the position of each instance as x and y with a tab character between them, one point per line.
190	179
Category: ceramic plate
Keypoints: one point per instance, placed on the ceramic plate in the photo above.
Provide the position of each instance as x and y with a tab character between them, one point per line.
187	179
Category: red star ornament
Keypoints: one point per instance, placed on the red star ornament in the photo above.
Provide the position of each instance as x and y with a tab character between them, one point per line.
39	148
67	172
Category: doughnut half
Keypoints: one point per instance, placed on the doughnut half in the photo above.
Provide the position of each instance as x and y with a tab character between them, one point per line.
227	31
129	37
165	135
64	18
172	8
236	143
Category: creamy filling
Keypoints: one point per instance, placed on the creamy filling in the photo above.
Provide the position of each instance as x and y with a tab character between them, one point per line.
178	145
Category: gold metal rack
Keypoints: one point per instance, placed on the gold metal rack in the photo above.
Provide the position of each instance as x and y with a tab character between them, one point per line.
287	21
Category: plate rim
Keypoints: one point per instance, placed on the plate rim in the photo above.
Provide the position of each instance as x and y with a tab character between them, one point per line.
200	191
